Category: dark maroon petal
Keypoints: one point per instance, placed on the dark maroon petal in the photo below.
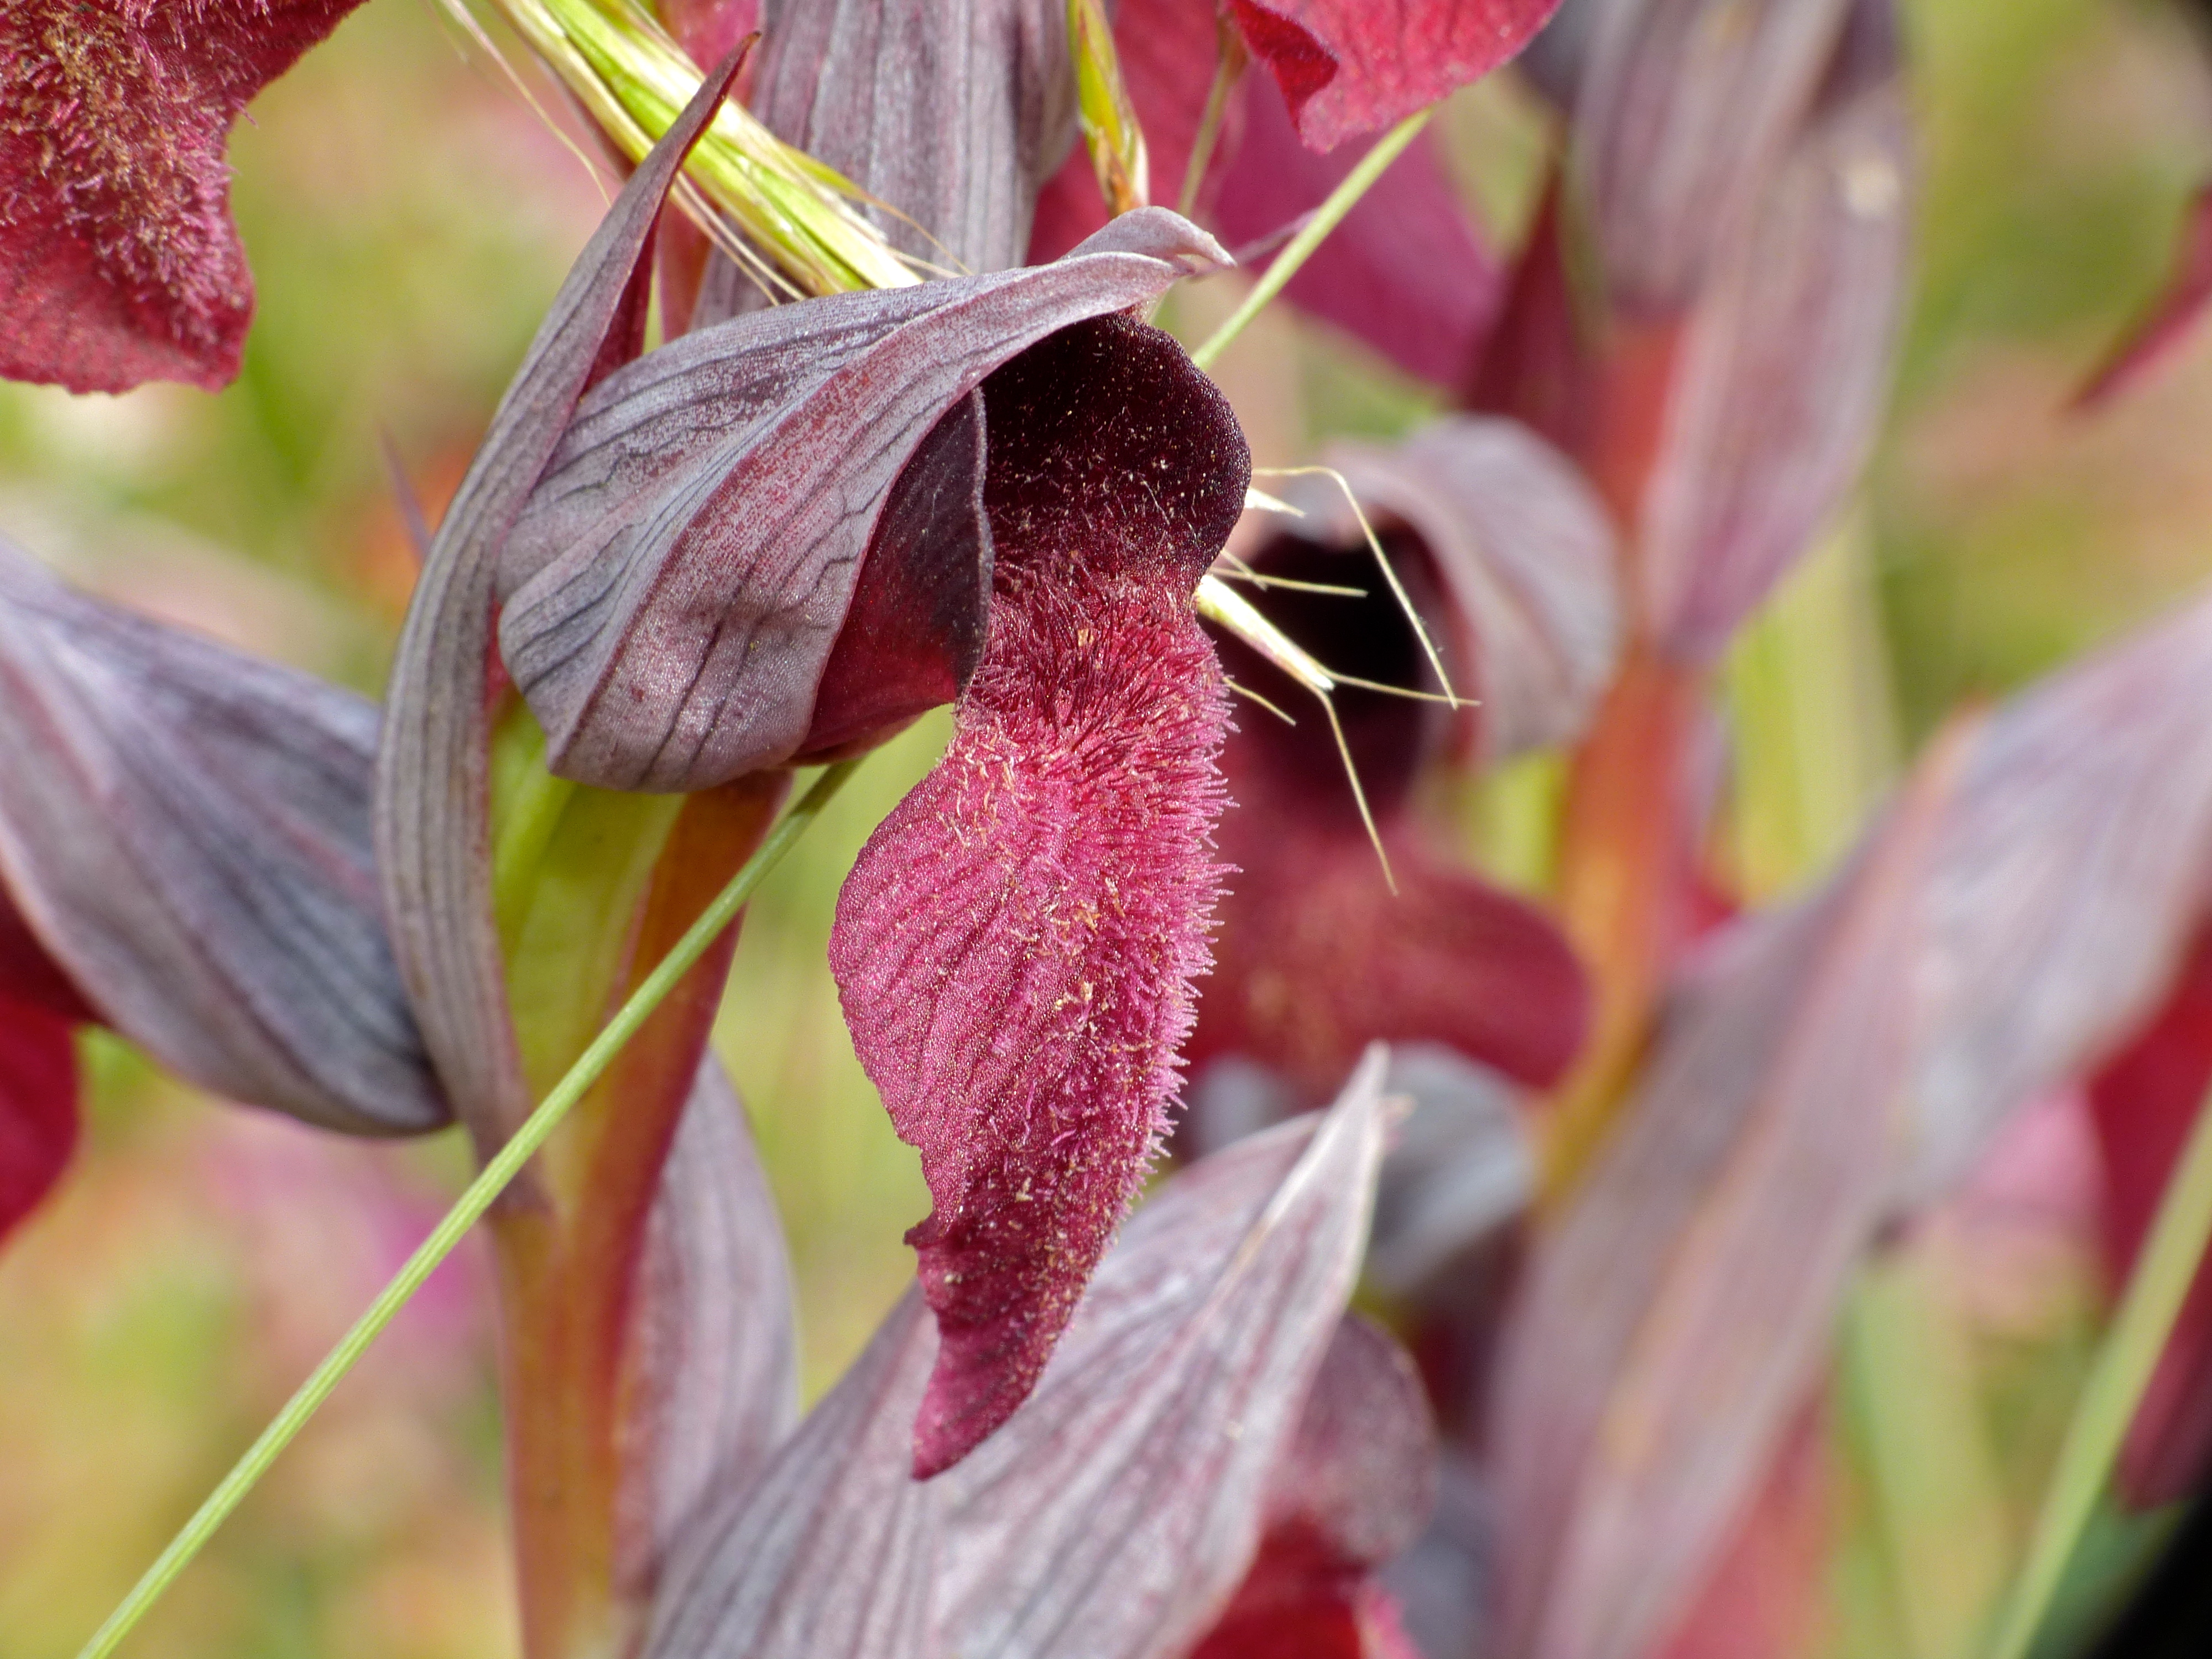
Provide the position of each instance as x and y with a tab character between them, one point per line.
2170	320
185	832
830	1554
1016	944
1353	1488
1405	271
38	1107
118	262
674	587
710	1357
1354	66
1115	1514
1317	956
1783	375
915	633
1686	107
433	812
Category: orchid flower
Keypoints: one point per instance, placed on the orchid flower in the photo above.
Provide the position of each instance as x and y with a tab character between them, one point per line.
185	857
1324	946
118	263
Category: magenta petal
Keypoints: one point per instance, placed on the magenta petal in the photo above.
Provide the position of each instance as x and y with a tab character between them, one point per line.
1353	66
38	1107
1015	944
118	263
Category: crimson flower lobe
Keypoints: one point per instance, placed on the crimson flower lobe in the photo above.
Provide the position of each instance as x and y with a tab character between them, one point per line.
1017	944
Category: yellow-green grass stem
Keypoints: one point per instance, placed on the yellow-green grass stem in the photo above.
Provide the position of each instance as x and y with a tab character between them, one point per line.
1325	218
466	1212
2125	1361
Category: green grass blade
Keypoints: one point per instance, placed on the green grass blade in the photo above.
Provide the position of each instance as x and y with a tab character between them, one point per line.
1325	218
2123	1365
466	1212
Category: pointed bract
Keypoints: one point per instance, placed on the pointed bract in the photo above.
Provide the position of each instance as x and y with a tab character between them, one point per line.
433	812
1355	1486
2170	322
1116	1513
118	262
1015	944
186	831
711	1357
830	1554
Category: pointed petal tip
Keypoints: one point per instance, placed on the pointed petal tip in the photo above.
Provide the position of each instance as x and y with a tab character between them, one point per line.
1160	233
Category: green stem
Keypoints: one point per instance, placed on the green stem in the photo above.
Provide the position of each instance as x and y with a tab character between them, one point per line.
1325	218
2123	1369
466	1212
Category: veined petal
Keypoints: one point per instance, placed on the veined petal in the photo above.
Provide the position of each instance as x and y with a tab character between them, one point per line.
1784	370
2064	891
1673	1318
830	1554
673	591
186	832
1354	1487
1016	944
1353	66
1684	108
1115	1514
433	812
952	112
710	1355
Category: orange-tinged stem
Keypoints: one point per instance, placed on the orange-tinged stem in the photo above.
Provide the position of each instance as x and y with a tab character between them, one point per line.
1625	862
1626	855
568	1266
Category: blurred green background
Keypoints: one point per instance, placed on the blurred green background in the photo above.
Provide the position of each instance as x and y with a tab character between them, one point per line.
407	218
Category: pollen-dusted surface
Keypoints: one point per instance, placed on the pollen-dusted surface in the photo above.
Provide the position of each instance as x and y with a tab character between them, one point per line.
1017	944
118	263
